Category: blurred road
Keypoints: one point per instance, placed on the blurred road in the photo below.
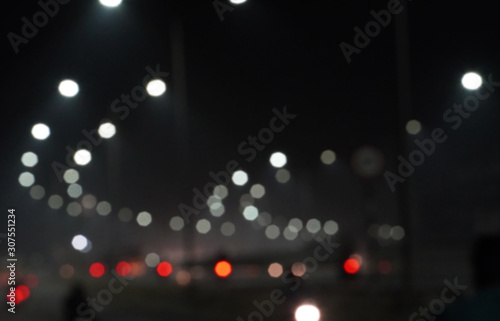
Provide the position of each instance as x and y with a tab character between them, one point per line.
146	303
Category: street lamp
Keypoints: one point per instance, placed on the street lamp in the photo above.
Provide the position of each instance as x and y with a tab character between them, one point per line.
110	3
472	81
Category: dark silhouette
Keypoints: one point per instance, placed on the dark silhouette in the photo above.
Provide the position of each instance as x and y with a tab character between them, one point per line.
485	304
75	297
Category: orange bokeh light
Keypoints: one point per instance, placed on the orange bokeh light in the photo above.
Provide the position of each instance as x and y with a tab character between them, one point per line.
223	269
137	268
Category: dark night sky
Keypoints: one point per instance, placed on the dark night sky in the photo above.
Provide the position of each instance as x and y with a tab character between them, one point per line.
264	55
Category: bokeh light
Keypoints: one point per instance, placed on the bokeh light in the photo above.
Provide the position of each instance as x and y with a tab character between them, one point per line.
37	192
217	209
246	200
223	269
250	213
176	223
82	157
26	179
31	280
330	227
220	191
144	218
103	208
203	226
472	81
313	226
156	87
183	277
278	160
55	202
71	176
264	219
89	201
79	242
125	214
74	190
328	157
384	231
123	268
272	232
307	312
290	233
275	270
29	159
66	271
152	260
22	293
413	127
164	269
137	268
240	178
107	130
368	162
87	248
257	191
282	175
397	233
296	223
351	266
68	88
211	200
110	3
74	209
227	228
298	269
97	270
40	131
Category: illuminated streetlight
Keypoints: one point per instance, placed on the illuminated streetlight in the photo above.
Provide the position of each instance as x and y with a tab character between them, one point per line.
156	87
79	242
278	159
307	312
110	3
40	131
240	178
82	157
107	130
472	81
68	88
